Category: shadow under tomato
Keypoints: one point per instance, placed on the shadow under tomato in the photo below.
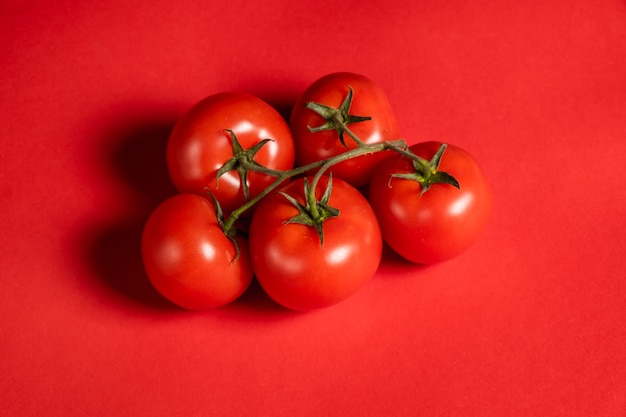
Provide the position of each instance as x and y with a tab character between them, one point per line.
396	266
131	156
140	158
255	303
279	93
113	251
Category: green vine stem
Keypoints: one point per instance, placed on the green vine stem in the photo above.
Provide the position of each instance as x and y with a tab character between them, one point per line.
399	145
282	176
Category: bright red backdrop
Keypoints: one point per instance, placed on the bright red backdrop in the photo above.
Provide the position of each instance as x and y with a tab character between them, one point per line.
528	322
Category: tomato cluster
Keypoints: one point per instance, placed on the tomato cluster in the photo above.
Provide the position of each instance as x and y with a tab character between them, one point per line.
304	205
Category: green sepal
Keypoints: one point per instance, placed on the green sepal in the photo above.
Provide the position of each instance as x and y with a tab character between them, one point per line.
426	172
235	163
305	214
330	113
230	234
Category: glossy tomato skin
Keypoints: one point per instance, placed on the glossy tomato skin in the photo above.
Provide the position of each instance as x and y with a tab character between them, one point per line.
188	258
198	146
289	261
368	100
441	223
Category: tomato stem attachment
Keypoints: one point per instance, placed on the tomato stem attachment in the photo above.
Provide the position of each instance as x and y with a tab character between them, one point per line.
427	172
241	161
337	118
230	233
313	213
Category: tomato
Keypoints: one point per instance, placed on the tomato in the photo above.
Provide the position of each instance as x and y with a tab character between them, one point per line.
443	221
368	100
199	146
189	259
290	261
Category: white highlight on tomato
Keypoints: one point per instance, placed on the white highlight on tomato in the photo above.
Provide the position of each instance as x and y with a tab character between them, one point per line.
460	205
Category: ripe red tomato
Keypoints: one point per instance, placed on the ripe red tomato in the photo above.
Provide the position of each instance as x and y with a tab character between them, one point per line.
368	100
289	260
441	223
189	259
199	146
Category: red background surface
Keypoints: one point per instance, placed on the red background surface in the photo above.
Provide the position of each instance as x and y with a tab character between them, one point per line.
528	322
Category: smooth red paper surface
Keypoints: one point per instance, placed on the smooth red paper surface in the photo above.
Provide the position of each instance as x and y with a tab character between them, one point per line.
528	322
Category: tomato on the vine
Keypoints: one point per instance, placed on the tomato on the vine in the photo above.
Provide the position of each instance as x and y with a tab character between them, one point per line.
432	222
292	263
189	259
201	143
357	97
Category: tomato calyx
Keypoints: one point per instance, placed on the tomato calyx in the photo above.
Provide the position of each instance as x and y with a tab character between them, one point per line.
427	173
337	118
314	212
229	232
242	161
